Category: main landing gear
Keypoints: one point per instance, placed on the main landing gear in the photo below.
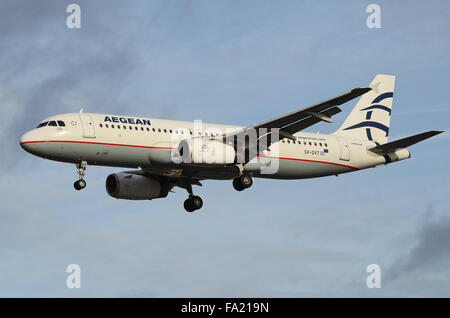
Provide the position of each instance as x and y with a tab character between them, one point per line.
194	202
81	169
243	182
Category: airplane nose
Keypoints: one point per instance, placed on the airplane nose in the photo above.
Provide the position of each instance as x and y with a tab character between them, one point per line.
26	141
23	142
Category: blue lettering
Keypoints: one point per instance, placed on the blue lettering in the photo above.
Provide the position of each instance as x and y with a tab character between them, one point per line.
115	119
146	122
131	120
123	120
138	121
107	118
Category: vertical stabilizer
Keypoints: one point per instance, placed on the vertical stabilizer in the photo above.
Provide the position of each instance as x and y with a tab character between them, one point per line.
370	118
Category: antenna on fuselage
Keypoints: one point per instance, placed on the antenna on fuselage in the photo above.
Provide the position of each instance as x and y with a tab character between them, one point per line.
81	110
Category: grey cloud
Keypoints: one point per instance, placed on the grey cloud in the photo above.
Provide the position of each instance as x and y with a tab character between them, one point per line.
432	248
60	72
49	69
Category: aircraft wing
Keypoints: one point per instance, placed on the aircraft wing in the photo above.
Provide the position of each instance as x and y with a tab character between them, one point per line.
298	120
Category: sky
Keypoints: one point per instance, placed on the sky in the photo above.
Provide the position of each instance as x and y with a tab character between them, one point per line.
231	62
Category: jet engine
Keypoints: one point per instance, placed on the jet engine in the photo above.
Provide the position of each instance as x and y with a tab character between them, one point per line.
131	186
205	151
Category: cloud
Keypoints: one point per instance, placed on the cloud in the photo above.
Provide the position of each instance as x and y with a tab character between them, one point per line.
432	247
241	63
49	69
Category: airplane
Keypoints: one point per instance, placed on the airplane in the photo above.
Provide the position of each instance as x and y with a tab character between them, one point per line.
167	153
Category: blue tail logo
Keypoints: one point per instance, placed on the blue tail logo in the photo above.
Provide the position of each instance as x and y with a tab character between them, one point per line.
373	124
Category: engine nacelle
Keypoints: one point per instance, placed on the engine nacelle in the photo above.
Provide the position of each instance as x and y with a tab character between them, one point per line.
205	151
399	154
134	187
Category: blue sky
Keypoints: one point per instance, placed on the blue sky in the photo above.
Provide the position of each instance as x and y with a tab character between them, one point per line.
235	62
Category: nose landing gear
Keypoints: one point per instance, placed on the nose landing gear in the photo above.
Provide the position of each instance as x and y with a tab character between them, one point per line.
81	169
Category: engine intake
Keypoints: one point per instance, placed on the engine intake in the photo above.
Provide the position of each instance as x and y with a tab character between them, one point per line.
134	187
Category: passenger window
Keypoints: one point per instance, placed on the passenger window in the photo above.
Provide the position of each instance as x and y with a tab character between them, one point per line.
320	144
148	129
159	129
101	125
315	144
142	128
136	128
61	123
118	126
310	143
52	123
170	130
106	125
326	145
165	130
112	126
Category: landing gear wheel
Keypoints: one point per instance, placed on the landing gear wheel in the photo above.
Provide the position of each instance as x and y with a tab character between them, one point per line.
188	206
238	185
193	203
242	182
197	202
81	169
79	184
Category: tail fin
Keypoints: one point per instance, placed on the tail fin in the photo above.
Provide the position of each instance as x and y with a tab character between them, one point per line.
370	118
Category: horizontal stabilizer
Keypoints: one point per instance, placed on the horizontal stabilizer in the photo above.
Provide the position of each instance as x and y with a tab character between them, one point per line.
403	143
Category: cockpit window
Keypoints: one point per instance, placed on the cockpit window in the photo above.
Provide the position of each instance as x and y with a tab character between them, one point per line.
61	123
52	123
42	124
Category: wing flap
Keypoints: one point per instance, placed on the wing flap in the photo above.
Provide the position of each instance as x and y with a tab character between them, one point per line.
311	120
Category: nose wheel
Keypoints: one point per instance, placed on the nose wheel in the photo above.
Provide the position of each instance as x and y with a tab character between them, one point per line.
79	184
81	169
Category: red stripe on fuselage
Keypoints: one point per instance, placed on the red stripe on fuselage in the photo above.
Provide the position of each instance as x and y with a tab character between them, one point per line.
315	161
150	147
94	143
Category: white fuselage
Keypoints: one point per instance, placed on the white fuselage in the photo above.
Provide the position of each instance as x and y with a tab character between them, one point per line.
147	143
